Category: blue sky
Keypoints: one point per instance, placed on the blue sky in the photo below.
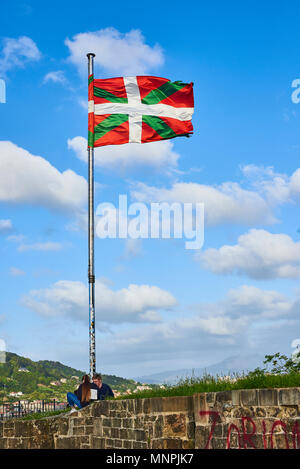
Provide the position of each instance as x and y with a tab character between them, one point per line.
159	306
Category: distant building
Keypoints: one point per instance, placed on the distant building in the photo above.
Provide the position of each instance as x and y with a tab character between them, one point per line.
63	380
55	383
24	370
141	388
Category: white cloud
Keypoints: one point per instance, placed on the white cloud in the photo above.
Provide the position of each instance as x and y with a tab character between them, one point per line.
28	179
258	254
17	52
16	238
15	272
116	53
55	77
69	298
214	329
226	203
5	226
47	246
128	156
277	188
252	302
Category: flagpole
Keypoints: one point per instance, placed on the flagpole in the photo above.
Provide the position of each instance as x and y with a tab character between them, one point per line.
91	267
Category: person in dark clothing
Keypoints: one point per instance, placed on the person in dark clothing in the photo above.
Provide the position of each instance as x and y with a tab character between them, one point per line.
84	395
104	390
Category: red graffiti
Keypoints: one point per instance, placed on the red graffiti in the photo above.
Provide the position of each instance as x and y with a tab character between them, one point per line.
248	436
296	434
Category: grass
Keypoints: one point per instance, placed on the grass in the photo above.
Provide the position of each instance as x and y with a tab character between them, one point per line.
43	415
190	386
186	387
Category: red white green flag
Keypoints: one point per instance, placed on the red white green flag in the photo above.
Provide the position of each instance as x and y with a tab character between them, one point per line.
138	110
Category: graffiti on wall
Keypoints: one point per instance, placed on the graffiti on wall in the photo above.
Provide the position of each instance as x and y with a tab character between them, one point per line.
245	437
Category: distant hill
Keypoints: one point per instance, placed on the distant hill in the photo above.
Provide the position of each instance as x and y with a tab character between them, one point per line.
34	379
235	364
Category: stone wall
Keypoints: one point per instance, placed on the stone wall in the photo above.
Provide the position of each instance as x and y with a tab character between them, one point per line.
265	418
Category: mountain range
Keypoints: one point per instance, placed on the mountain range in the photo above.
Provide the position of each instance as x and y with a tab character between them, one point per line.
234	364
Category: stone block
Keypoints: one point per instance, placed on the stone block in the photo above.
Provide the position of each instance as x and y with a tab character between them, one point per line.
210	398
289	396
18	443
201	436
9	430
175	425
200	405
123	433
188	444
78	421
177	404
3	443
115	433
172	443
97	427
100	408
156	405
107	422
140	435
280	441
106	431
116	422
218	431
139	406
109	443
236	397
131	406
138	422
157	443
146	406
63	426
67	443
78	431
42	441
249	397
127	423
23	428
191	430
127	444
117	443
267	397
89	429
139	445
158	427
218	443
223	396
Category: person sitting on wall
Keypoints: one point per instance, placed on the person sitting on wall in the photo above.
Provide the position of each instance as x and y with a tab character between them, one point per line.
84	395
104	390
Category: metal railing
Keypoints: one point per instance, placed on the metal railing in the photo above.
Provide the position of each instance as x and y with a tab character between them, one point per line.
21	409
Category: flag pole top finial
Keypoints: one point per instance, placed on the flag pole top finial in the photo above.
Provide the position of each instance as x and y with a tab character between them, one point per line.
91	54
